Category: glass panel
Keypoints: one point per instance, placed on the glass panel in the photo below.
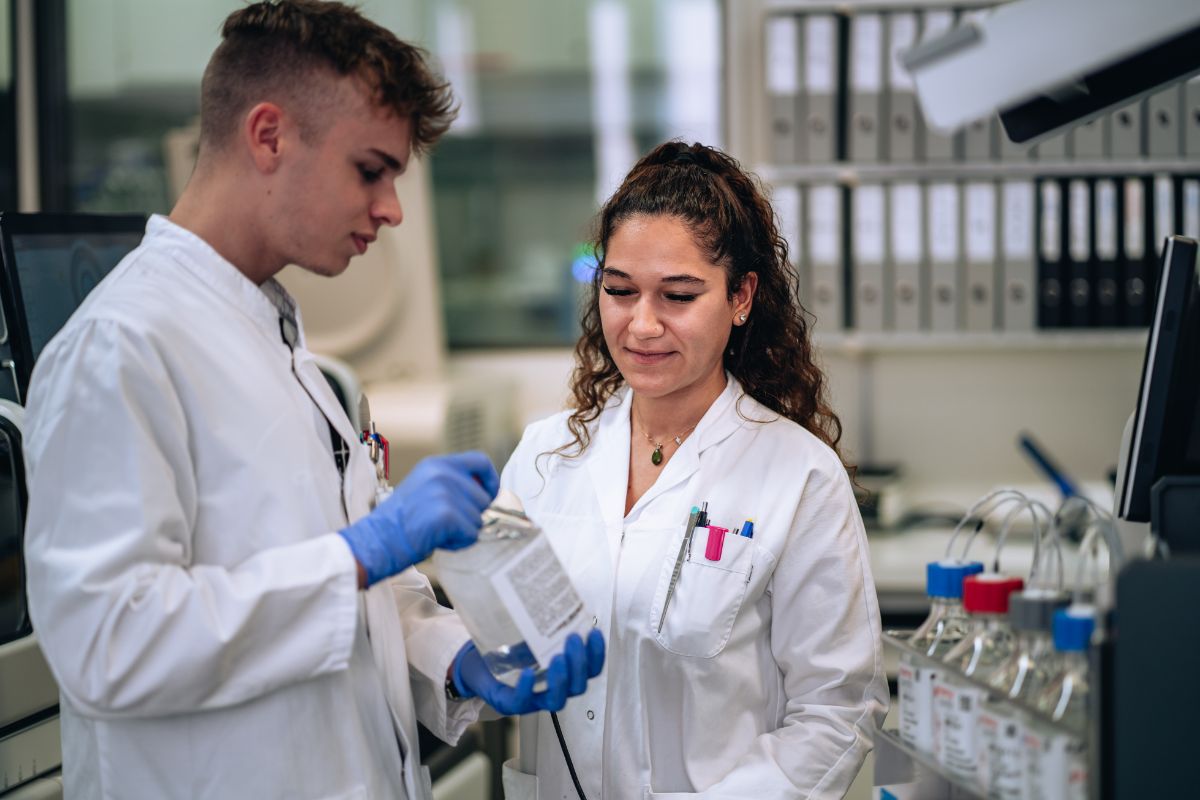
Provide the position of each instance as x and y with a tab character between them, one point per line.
558	101
8	111
133	92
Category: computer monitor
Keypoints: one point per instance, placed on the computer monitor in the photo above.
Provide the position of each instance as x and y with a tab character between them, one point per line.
50	263
1165	434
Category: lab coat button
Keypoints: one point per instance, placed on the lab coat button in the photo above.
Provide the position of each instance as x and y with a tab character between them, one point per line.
591	714
595	621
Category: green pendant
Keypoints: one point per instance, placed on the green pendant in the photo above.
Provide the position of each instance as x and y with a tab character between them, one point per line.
656	456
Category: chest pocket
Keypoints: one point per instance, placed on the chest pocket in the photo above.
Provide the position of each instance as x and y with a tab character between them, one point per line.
708	595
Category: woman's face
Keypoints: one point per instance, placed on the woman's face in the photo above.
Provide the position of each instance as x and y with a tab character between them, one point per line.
665	309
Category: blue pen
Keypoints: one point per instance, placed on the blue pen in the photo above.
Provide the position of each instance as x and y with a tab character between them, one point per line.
1052	470
748	529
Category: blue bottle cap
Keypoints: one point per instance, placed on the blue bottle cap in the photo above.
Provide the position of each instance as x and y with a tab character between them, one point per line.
945	578
1073	628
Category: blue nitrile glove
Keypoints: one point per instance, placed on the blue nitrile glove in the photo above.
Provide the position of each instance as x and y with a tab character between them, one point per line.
437	505
567	676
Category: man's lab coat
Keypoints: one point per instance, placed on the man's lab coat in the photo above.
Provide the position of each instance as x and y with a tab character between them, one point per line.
766	680
186	580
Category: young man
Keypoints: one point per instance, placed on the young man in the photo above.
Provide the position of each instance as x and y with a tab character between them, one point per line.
200	518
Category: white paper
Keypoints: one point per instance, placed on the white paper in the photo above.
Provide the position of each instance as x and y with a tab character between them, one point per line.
981	222
786	200
955	711
906	223
782	56
1051	244
824	213
1081	220
1191	208
1164	210
1018	220
869	224
1135	219
1106	220
903	30
936	23
820	62
943	222
866	50
916	703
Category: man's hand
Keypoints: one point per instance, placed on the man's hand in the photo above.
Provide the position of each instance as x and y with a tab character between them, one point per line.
437	505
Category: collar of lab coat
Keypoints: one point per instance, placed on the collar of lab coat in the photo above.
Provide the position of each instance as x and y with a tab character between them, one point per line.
227	281
263	305
609	458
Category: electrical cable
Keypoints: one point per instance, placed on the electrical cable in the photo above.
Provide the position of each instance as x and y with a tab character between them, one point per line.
562	744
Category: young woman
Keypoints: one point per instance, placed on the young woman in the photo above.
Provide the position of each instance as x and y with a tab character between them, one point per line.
744	663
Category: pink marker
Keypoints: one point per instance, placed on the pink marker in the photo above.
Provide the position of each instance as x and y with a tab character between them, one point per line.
716	542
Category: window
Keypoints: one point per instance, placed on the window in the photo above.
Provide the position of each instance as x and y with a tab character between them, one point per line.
128	96
558	100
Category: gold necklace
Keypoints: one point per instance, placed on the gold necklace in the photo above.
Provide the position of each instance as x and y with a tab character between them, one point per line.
656	458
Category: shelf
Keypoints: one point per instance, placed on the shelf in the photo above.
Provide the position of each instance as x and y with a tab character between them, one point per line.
851	174
898	342
898	640
963	788
854	6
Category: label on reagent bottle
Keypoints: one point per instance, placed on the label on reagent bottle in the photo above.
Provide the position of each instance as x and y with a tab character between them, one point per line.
916	702
956	709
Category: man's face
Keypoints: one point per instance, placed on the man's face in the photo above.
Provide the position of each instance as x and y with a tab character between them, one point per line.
337	190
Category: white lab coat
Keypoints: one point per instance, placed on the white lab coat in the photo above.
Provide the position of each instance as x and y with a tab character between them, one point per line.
767	679
186	580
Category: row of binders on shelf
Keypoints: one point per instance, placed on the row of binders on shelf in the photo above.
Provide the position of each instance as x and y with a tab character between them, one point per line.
837	91
983	255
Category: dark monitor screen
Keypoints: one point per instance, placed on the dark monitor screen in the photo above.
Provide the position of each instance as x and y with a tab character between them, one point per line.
1166	426
14	618
56	271
51	262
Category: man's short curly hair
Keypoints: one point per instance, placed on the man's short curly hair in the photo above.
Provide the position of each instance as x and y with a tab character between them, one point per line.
280	50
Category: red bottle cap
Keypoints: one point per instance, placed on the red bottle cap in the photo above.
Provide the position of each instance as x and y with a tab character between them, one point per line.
987	593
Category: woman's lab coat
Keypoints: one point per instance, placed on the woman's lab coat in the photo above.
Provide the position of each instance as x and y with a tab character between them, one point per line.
767	679
197	607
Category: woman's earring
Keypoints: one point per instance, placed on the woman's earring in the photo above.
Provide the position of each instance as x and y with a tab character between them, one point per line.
742	317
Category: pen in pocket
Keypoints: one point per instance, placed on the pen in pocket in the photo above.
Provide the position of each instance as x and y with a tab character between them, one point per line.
716	543
684	545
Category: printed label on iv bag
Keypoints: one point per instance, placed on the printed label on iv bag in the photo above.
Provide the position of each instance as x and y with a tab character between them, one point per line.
538	594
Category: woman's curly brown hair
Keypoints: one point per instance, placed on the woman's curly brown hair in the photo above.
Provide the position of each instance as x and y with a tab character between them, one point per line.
733	222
